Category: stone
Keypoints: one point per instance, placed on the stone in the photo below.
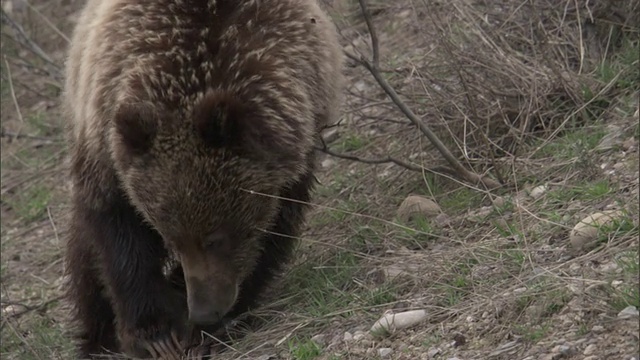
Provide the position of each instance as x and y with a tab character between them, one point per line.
319	339
538	191
347	336
584	234
385	352
391	322
416	206
589	350
628	312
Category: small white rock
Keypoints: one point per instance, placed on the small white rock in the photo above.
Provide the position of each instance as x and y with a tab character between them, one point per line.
319	339
327	163
499	201
585	233
538	191
358	335
433	352
628	312
589	350
347	336
391	322
563	349
384	352
11	310
266	357
597	329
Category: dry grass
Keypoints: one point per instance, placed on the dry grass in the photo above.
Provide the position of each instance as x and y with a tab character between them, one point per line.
529	93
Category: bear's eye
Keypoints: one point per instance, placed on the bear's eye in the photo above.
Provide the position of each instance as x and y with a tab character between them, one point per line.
216	240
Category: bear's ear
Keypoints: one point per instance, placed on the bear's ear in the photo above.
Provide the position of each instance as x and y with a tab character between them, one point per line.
137	125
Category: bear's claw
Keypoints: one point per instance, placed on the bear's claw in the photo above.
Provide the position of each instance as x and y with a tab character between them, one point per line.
166	348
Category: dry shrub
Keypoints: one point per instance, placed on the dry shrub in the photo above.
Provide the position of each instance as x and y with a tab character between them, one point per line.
502	73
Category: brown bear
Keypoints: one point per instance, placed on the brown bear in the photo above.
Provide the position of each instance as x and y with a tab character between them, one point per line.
191	137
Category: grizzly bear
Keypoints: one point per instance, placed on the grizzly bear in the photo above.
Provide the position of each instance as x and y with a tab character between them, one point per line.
192	130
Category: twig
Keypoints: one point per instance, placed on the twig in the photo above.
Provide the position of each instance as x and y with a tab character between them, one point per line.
386	160
46	20
375	44
12	135
28	308
373	68
13	93
29	44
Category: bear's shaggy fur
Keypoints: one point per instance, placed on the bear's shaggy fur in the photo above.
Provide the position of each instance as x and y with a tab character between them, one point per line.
191	124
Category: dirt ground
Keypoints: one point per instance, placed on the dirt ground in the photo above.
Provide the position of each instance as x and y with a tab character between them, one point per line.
540	96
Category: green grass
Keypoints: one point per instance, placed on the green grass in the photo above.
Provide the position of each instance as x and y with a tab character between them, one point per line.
351	143
532	334
304	350
587	191
459	200
625	64
574	144
31	203
321	289
45	337
416	235
628	294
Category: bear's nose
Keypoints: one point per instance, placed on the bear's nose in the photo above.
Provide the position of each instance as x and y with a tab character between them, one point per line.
209	302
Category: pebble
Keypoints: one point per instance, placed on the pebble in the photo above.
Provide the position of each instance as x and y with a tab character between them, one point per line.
266	357
433	352
562	350
319	339
391	322
11	310
538	191
589	350
327	163
628	312
358	335
347	336
384	352
597	329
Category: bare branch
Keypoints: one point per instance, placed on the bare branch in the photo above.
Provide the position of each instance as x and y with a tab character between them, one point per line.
12	90
386	160
373	69
12	135
28	308
372	32
23	39
48	22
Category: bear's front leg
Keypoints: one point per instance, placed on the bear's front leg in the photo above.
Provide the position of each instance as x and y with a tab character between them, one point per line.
150	314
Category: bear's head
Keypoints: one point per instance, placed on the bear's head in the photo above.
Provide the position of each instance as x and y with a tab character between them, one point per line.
207	178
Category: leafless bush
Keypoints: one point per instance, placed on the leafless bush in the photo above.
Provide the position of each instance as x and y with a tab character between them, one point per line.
496	77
